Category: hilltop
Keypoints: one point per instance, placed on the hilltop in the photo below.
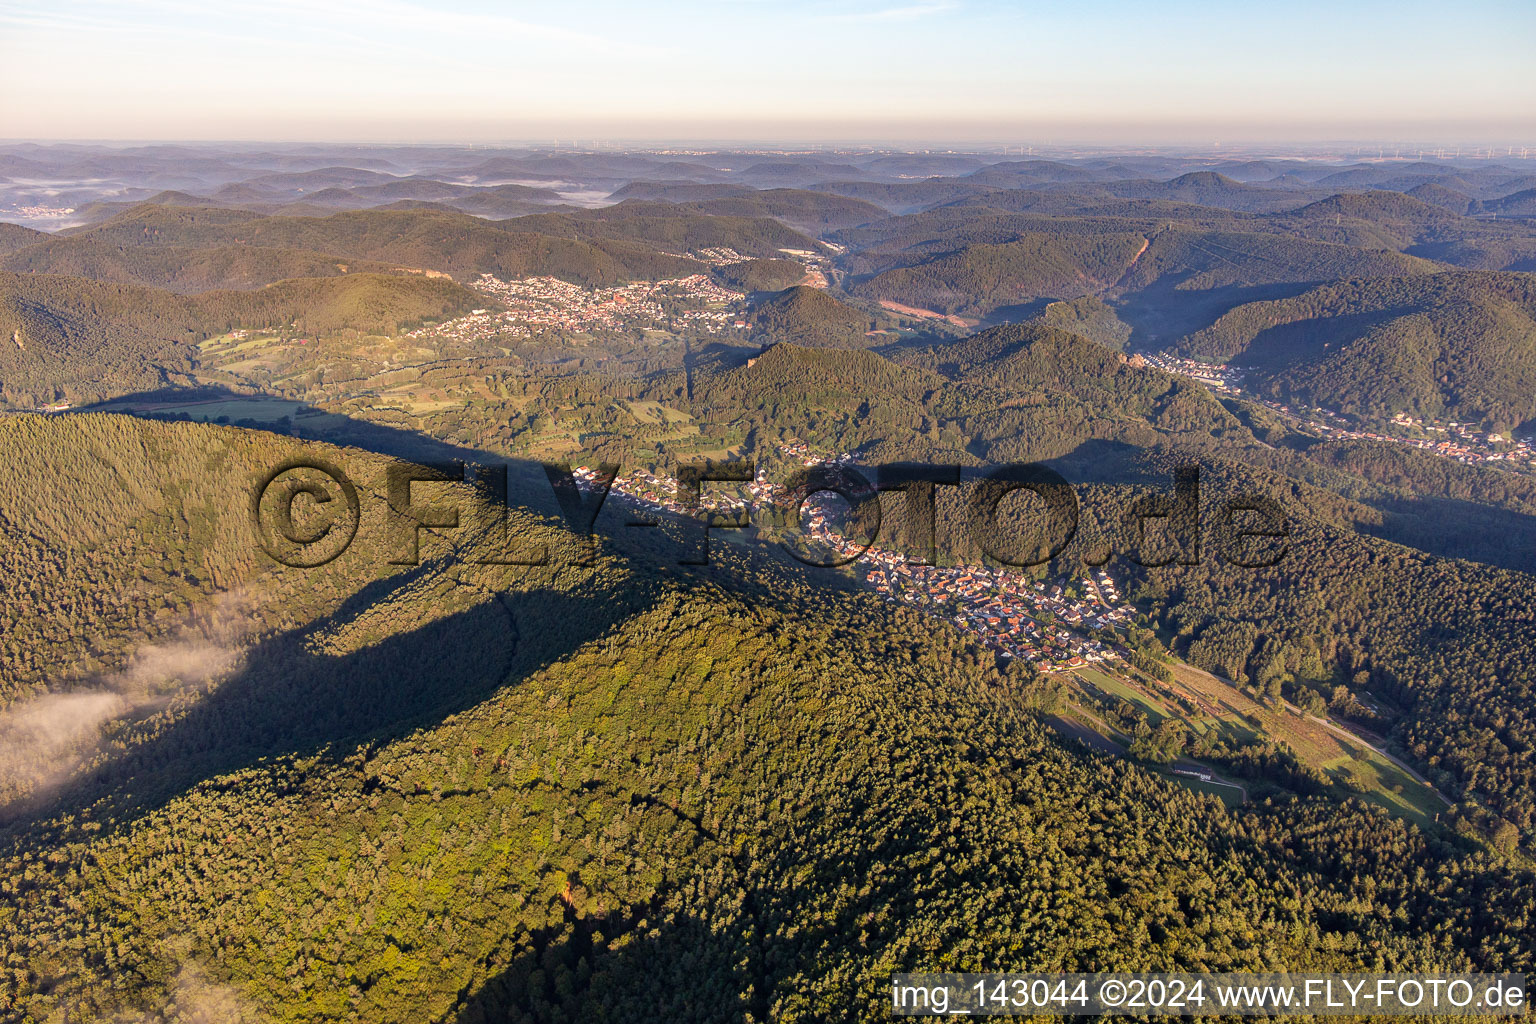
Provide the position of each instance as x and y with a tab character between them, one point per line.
672	228
810	317
814	213
181	268
1448	346
980	278
448	242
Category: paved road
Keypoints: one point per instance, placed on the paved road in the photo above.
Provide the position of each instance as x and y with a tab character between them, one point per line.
1098	741
1215	780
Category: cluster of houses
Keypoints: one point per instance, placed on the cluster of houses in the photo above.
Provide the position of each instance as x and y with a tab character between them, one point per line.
1051	625
720	256
642	487
1015	616
1464	442
535	305
816	264
1220	378
1034	621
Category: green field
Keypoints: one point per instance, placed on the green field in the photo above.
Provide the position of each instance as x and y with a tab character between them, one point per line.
1381	781
1348	763
1117	687
1385	784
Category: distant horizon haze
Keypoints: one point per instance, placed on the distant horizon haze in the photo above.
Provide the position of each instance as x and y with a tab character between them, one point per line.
893	72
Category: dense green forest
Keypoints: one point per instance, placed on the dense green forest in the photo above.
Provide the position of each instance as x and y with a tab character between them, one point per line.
1459	346
980	278
669	227
1090	317
78	340
1367	597
486	771
810	317
452	243
529	794
814	213
182	268
764	275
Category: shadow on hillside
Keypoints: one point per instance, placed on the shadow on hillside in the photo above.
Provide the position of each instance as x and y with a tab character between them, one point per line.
732	944
1105	461
299	694
1162	314
1015	314
1453	528
407	667
685	971
276	414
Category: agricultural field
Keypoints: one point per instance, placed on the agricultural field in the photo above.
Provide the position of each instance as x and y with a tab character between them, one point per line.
1117	686
1225	712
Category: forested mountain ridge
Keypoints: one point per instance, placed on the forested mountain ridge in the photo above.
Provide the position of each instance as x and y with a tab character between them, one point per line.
67	337
814	213
1351	605
182	268
980	278
14	236
1450	346
661	802
76	340
452	243
670	228
481	786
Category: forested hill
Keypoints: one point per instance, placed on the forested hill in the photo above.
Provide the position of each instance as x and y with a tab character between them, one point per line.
1458	346
814	213
451	243
980	278
1390	584
760	275
1090	317
671	228
809	316
76	340
623	790
14	236
181	268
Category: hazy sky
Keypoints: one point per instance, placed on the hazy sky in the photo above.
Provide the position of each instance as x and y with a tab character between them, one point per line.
963	70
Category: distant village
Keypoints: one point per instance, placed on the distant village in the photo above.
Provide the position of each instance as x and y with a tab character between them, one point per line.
817	265
1463	442
1051	625
536	305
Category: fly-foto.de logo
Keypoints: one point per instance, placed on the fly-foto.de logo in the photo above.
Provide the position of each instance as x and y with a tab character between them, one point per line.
307	512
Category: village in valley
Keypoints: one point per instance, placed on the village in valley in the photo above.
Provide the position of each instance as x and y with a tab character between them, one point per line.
536	305
1051	625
